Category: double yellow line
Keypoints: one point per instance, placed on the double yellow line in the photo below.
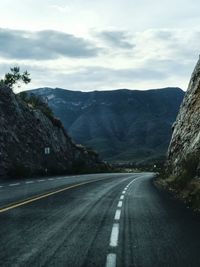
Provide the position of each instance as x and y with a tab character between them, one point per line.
41	196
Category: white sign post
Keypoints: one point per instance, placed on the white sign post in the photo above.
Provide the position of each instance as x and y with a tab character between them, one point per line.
47	150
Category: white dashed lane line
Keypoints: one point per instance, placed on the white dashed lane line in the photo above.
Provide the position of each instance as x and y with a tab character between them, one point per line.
111	260
14	184
29	182
120	203
114	235
117	215
36	181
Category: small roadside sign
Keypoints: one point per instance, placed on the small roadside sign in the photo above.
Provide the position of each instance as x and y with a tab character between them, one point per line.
47	150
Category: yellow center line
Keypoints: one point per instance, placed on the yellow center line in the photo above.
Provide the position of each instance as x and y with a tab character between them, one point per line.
41	196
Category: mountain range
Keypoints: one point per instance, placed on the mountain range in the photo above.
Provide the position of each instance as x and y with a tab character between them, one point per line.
121	125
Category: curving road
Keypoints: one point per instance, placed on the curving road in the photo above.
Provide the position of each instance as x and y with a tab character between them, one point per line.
95	220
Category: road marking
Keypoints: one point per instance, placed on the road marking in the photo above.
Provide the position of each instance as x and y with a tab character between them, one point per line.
120	204
1	186
41	196
42	180
51	179
14	184
114	235
117	215
111	260
30	182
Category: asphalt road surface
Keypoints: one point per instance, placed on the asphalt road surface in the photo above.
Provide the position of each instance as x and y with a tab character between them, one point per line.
95	220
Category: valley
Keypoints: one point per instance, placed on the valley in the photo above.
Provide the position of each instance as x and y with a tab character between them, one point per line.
121	125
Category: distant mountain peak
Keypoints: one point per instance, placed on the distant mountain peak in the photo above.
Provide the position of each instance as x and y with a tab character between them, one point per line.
121	124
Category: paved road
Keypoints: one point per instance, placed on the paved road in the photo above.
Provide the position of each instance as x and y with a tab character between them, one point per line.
95	220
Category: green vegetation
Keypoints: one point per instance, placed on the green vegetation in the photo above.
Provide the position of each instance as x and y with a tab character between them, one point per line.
188	172
189	167
14	76
19	170
36	102
185	185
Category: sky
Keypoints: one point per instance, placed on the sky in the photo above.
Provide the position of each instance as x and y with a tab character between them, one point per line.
101	45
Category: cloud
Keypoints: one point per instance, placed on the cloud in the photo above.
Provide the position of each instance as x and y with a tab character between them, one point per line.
159	58
167	45
44	45
111	74
118	39
93	77
61	9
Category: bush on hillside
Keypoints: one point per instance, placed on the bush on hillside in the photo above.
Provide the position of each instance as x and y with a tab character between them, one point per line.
189	167
15	76
37	103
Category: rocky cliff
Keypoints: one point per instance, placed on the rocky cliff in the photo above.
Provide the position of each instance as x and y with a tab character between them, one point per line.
183	164
185	142
25	132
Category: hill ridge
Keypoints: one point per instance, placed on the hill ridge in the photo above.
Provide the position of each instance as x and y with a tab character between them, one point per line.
121	125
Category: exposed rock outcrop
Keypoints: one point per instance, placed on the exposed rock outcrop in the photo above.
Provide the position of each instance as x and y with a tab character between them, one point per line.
24	134
185	140
181	173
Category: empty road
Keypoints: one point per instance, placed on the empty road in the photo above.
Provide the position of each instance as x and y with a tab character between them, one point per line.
95	220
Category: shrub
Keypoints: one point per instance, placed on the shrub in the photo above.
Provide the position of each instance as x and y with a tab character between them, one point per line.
23	95
37	103
190	164
56	122
14	76
79	166
18	170
189	167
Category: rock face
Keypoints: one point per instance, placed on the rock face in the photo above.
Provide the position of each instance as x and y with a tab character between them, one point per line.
122	125
24	134
186	133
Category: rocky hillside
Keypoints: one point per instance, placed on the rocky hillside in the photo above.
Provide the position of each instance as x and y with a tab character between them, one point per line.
183	163
122	125
185	142
25	132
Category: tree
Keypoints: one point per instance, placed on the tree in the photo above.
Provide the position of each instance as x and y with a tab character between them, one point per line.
14	76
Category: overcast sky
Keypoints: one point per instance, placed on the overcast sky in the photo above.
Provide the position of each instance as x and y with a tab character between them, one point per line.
101	44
